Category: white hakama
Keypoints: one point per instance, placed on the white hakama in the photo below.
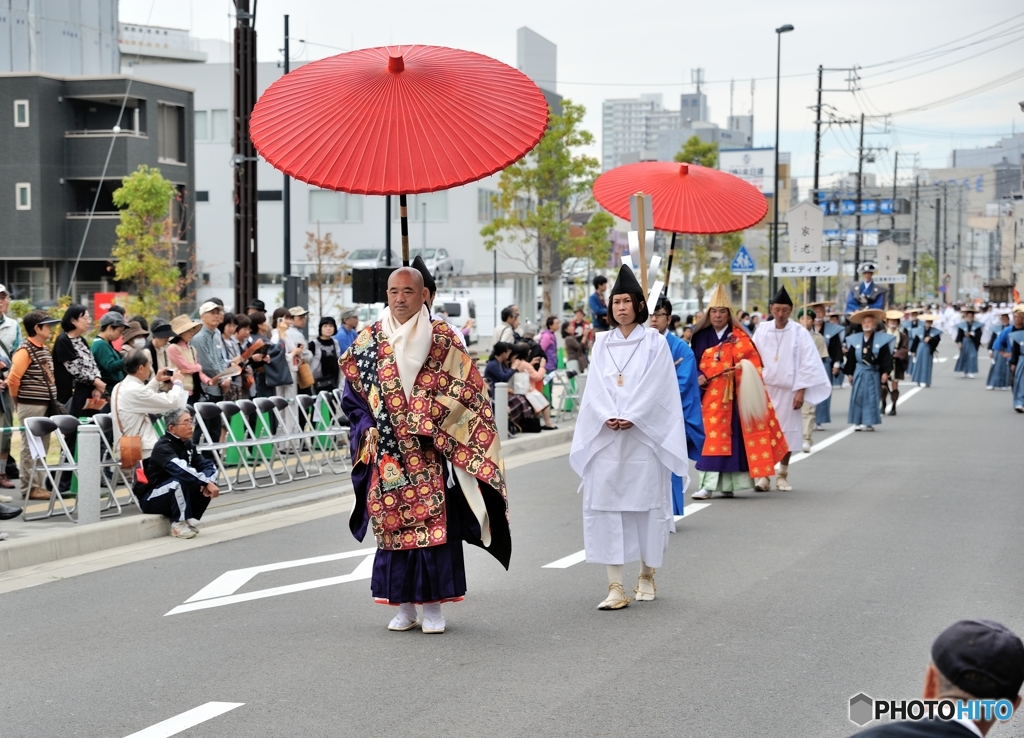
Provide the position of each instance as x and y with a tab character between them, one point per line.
791	363
627	484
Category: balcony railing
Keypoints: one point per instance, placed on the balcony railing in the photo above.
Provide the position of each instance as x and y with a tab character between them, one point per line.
105	133
104	214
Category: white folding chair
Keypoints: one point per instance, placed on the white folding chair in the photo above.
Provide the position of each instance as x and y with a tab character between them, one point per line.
112	473
35	429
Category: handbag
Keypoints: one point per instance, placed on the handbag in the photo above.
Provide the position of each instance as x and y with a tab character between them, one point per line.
537	400
129	447
304	376
520	383
276	372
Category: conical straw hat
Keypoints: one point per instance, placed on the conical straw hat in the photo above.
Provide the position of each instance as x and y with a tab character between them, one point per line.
719	297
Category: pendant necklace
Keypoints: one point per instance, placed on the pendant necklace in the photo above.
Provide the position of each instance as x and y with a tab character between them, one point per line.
778	343
619	378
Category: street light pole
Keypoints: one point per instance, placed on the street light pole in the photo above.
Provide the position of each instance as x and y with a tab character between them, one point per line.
774	256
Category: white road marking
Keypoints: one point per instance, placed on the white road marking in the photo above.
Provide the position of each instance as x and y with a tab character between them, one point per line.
580	556
363	571
232	581
186	720
944	359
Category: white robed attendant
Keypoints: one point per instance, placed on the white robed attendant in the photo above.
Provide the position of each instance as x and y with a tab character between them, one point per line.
630	438
793	373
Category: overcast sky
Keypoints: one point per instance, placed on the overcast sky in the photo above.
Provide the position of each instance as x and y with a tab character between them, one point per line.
619	49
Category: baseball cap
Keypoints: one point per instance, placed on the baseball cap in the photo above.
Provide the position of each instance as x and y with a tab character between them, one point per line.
208	307
3	291
981	657
295	312
112	318
349	314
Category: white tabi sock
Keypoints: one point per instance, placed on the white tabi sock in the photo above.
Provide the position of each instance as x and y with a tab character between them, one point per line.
614	573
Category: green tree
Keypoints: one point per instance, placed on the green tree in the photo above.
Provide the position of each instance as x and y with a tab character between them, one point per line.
146	253
538	198
927	274
695	151
327	270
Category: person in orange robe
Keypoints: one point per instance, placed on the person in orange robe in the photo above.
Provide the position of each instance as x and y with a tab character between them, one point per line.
743	438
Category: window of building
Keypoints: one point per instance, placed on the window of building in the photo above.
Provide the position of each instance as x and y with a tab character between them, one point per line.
202	125
334	207
486	210
269	195
23	196
202	196
21	113
169	132
220	128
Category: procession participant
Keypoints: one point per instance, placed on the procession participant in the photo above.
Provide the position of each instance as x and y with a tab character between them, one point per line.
810	320
689	392
427	469
630	437
914	327
831	335
868	361
835	333
1016	341
744	440
428	281
923	346
999	350
968	339
866	294
793	374
900	358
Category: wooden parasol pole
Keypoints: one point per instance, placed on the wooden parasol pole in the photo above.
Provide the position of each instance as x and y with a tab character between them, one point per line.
403	212
641	238
668	269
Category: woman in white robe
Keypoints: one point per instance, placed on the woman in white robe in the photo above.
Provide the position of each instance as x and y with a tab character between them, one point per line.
630	437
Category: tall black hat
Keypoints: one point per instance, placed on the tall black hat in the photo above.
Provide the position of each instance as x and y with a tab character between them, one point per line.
782	297
626	284
428	280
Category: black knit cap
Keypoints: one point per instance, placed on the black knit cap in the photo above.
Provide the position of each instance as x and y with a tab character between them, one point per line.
981	657
626	284
428	280
782	297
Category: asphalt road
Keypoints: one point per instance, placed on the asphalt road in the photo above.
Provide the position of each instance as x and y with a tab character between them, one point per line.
772	610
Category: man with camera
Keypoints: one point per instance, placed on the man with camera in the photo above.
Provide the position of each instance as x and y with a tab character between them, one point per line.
138	396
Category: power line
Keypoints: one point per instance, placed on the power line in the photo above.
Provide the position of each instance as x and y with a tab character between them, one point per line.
991	85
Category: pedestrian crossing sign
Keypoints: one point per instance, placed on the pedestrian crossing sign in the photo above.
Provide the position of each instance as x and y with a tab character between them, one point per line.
742	263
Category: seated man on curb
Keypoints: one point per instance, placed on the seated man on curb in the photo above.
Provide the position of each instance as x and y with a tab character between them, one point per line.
177	481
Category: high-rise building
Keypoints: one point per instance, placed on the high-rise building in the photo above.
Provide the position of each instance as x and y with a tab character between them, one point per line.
626	130
693	107
537	58
66	38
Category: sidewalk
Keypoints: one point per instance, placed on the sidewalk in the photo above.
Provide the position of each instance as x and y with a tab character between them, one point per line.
38	542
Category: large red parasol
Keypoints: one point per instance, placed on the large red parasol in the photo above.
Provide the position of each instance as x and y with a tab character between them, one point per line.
685	198
398	120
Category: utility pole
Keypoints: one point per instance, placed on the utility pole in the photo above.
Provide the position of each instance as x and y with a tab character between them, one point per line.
860	195
945	240
892	225
815	192
244	159
938	233
913	253
290	298
959	230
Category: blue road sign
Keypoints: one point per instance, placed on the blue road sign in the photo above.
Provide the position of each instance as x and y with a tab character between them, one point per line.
742	263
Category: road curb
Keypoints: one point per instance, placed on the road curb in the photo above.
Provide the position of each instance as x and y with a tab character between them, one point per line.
63	544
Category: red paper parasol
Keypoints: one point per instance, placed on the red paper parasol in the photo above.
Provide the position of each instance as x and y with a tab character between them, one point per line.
685	198
398	120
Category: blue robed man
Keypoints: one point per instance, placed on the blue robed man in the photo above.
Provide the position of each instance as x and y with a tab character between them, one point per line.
869	362
968	340
999	373
689	392
866	294
835	337
1016	340
923	345
915	329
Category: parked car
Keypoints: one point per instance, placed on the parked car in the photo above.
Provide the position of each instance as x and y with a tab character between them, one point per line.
371	259
575	268
438	262
458	309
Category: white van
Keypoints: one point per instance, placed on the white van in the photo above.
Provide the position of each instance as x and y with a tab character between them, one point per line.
458	309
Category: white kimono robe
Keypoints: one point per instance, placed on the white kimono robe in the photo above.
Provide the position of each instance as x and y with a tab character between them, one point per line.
791	362
627	486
